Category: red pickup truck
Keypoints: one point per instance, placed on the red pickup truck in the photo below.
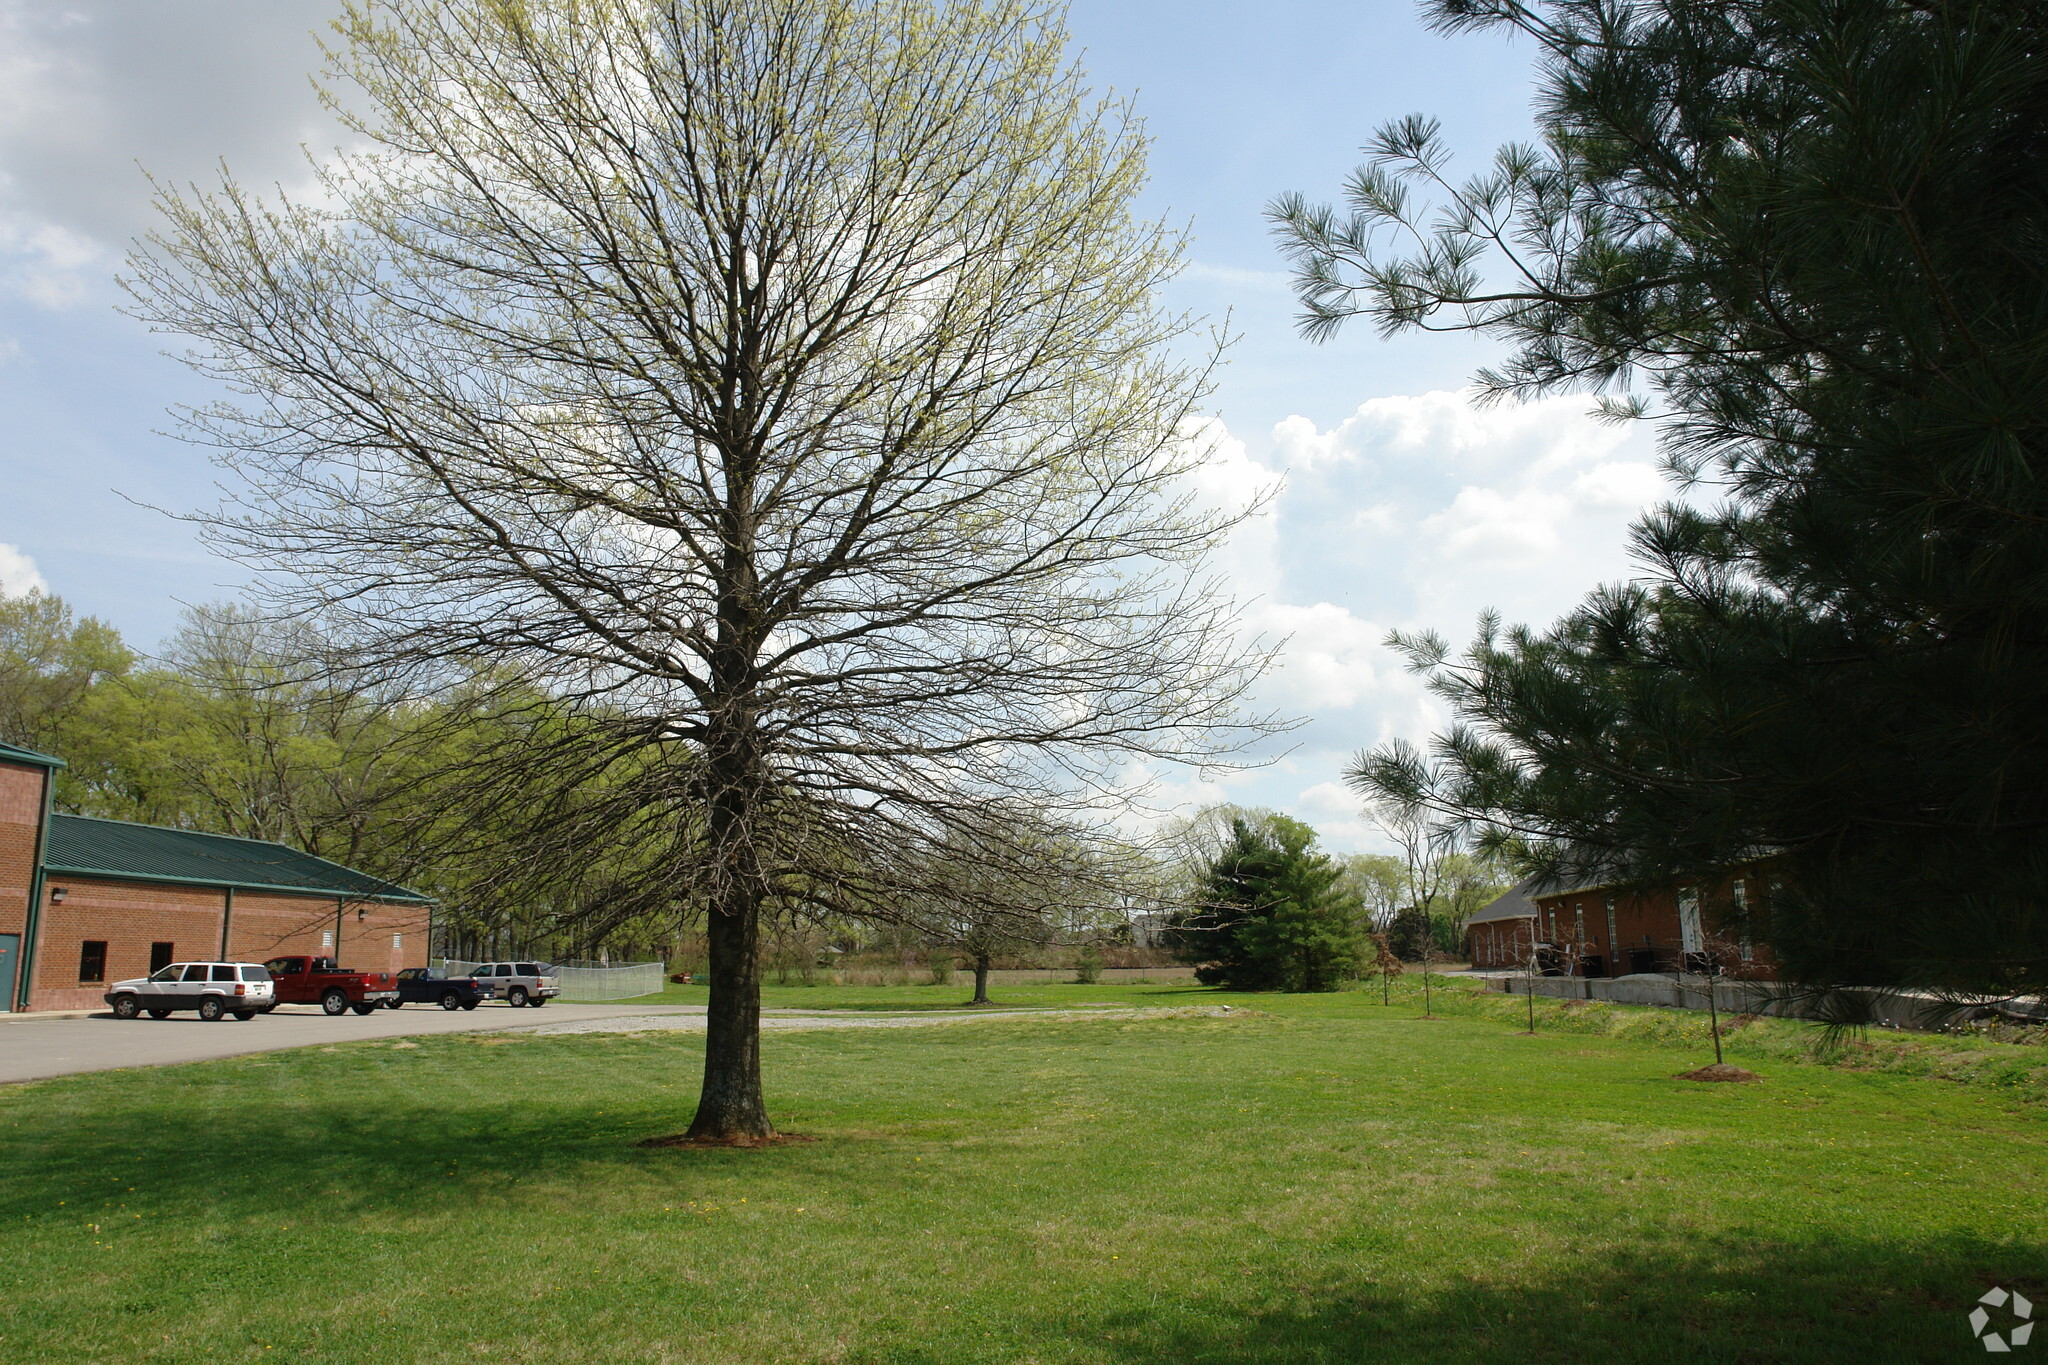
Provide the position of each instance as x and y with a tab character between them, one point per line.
318	981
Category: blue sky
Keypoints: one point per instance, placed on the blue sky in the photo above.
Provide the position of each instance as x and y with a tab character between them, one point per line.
1402	506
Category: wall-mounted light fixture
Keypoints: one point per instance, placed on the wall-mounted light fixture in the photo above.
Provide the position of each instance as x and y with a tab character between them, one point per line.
58	893
362	911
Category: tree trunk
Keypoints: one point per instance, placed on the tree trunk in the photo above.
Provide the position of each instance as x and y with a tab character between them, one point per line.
981	983
730	1107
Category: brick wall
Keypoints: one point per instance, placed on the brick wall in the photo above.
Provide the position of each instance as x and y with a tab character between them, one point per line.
1500	943
130	916
127	917
384	938
1648	921
268	925
21	812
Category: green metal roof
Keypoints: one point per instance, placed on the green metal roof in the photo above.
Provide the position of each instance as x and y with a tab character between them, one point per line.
14	753
88	846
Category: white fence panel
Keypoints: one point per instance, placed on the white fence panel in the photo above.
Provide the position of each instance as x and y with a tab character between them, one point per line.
614	981
619	982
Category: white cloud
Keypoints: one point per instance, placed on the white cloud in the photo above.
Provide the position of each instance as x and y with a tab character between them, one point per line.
18	575
1227	482
1626	486
48	264
1415	512
1331	660
92	92
1487	526
1338	816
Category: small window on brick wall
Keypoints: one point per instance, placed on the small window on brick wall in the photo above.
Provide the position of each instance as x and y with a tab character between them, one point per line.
160	955
92	960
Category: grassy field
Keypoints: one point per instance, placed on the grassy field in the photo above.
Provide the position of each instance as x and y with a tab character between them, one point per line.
1308	1179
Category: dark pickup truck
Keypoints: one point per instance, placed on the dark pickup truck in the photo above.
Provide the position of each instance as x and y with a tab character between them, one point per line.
427	986
318	981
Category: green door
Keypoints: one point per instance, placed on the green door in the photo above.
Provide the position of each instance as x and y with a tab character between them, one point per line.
10	950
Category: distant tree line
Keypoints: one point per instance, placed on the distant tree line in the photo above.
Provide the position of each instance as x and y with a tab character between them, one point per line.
244	726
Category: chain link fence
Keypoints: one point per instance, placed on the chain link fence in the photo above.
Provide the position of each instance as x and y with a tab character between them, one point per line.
590	980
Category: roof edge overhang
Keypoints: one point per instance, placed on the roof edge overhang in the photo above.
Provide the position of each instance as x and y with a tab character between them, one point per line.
1588	889
115	874
29	758
1530	913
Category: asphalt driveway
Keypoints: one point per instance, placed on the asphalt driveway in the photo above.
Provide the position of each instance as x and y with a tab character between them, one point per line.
32	1048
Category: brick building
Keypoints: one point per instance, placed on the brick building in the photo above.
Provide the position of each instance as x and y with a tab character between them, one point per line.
85	902
1610	931
1502	933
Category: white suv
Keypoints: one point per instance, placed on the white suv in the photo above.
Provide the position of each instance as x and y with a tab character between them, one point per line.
242	989
519	983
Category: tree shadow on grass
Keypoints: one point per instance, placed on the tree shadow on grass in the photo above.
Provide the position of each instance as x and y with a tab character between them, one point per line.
362	1145
1710	1302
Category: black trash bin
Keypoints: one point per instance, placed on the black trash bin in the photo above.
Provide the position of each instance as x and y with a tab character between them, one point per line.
1592	965
1642	961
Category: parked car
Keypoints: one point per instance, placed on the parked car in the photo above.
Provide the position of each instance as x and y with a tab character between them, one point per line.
428	986
335	989
215	989
520	983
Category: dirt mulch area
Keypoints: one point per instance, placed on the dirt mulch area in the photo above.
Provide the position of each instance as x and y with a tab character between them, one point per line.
1719	1071
684	1140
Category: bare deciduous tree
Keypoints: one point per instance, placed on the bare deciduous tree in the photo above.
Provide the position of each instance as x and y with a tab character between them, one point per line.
780	382
1400	790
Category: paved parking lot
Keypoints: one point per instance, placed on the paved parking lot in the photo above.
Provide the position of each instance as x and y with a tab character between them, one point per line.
32	1048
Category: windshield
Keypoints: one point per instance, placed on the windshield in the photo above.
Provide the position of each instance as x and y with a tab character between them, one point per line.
170	973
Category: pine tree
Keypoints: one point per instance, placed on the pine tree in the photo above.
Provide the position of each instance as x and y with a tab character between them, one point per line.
1273	916
1813	231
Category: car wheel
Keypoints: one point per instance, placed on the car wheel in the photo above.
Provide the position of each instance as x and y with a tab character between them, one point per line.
334	1002
469	1004
450	1000
244	1016
211	1009
126	1007
159	1014
367	1007
516	997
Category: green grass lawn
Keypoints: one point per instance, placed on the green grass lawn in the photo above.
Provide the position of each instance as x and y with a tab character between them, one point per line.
1311	1179
953	995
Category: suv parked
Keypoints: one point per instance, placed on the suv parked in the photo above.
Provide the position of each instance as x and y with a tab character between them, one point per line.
242	989
428	985
520	983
